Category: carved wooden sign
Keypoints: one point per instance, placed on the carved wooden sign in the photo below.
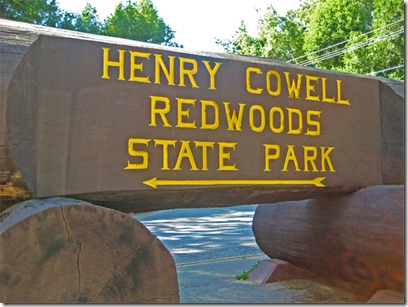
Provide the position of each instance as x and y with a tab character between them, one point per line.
87	117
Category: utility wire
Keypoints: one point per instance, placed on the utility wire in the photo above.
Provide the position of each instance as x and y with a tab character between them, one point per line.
354	46
384	70
340	43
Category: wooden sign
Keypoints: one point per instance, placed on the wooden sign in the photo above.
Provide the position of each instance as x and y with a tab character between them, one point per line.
115	119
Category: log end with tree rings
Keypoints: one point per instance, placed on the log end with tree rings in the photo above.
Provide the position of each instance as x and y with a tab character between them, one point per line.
357	237
63	250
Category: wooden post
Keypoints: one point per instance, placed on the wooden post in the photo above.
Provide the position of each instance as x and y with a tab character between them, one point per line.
356	238
68	251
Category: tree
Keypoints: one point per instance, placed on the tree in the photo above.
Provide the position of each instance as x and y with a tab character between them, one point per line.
139	21
388	51
87	21
275	38
333	22
278	33
242	43
41	12
362	36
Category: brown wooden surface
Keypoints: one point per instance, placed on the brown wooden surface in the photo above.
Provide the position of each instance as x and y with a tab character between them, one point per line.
357	237
68	251
64	130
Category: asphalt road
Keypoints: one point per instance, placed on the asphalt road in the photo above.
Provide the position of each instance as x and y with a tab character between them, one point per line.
212	245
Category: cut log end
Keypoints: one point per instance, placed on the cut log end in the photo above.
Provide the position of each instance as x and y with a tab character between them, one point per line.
79	252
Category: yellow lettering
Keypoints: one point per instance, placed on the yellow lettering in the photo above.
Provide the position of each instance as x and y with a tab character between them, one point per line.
311	88
185	152
162	112
324	92
261	111
234	122
204	123
325	151
120	64
165	144
339	99
212	72
309	158
204	146
272	117
248	80
137	66
223	155
312	122
188	72
291	113
168	72
137	153
291	156
181	113
278	83
269	156
293	86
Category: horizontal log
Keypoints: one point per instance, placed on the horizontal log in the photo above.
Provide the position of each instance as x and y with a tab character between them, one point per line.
357	237
62	250
95	117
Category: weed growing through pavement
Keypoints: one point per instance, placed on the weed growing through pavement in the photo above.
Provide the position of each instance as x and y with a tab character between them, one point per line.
244	274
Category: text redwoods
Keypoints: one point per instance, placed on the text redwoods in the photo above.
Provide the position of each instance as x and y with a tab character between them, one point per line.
186	72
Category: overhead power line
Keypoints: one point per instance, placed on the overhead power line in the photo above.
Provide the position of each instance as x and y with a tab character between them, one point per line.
384	70
345	41
354	46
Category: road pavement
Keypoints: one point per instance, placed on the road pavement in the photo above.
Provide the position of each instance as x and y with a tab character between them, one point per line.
211	246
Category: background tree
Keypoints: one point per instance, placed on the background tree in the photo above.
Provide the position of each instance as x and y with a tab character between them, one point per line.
362	36
41	12
139	21
86	21
135	20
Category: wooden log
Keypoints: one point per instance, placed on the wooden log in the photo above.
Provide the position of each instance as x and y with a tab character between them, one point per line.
356	238
237	131
68	251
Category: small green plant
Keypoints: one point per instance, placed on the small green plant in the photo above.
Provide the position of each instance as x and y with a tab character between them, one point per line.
244	274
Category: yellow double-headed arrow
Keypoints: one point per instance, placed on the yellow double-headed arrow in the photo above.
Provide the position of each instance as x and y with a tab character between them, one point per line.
154	182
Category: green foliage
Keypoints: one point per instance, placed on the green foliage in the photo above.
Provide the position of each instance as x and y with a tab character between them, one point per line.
245	273
87	21
137	20
362	36
242	43
41	12
277	33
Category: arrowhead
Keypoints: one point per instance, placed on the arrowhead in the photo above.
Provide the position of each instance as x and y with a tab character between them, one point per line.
317	181
151	182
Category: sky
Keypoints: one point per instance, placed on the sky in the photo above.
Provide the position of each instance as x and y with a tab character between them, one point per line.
197	23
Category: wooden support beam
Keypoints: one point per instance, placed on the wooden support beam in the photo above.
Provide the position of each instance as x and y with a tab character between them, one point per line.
357	237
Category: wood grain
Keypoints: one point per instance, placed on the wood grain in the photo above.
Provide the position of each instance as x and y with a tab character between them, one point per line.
67	251
64	130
